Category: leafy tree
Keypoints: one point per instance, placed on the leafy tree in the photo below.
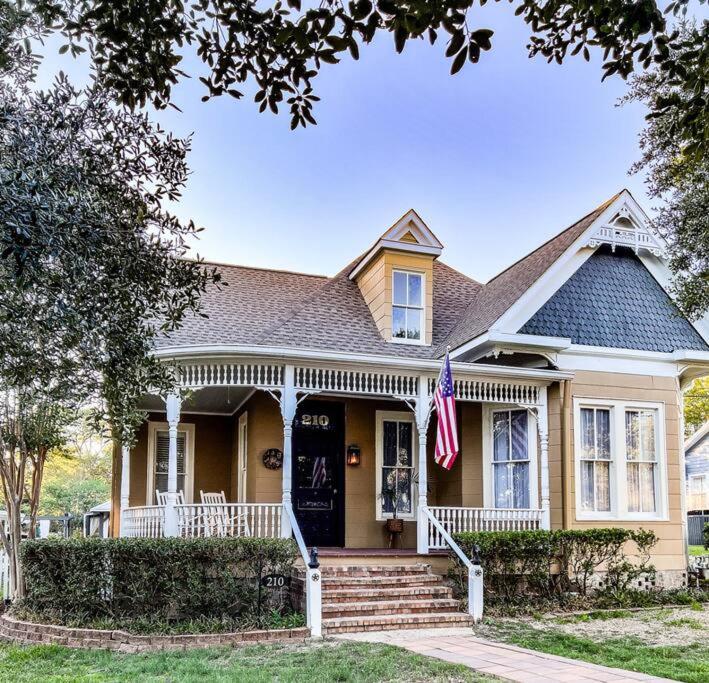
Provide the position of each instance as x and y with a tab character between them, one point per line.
31	424
282	48
696	405
678	178
93	272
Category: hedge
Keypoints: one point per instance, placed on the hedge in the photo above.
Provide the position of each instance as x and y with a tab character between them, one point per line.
167	579
519	565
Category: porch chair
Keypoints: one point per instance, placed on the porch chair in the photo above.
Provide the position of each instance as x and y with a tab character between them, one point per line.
218	517
161	497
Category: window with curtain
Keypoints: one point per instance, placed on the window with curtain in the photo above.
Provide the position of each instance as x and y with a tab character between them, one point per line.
407	310
641	457
162	446
397	468
595	459
510	455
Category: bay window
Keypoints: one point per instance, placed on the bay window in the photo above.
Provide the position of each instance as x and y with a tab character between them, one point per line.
620	461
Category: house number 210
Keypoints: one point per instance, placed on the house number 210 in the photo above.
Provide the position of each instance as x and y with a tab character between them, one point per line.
315	420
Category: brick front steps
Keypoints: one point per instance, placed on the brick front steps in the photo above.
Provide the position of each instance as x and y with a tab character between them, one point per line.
26	633
386	597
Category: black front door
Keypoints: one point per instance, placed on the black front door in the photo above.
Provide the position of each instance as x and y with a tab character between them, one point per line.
318	472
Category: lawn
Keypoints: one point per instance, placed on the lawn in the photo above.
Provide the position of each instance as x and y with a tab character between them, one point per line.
325	663
670	643
695	550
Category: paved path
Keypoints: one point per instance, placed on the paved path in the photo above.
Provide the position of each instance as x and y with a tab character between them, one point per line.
459	646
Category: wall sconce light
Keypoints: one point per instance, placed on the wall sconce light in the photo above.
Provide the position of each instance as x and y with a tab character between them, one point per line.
353	455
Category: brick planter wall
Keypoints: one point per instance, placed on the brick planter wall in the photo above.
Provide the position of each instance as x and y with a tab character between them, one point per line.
27	633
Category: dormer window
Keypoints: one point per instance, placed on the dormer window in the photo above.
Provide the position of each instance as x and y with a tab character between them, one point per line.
407	306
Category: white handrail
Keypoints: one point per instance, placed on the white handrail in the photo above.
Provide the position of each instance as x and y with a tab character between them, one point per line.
475	572
313	579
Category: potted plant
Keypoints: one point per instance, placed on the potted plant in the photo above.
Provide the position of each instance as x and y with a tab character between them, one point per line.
393	525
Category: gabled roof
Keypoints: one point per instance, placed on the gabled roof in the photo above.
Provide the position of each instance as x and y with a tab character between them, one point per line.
500	293
699	435
284	309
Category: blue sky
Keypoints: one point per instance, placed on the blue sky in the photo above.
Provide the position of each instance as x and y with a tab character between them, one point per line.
496	159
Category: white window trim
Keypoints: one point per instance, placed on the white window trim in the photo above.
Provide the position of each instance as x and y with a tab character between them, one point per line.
618	461
399	416
488	475
399	340
242	459
188	430
699	475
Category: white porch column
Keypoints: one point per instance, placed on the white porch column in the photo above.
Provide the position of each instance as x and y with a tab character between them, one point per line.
543	428
289	403
423	404
173	403
125	488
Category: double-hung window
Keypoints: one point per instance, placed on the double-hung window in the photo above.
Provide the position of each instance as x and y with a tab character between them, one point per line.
595	459
509	455
511	461
620	459
407	308
396	464
158	459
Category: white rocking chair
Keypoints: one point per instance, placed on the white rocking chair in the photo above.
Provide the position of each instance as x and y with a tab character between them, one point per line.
218	518
161	497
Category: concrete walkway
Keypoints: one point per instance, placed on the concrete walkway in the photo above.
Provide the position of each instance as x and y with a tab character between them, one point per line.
459	646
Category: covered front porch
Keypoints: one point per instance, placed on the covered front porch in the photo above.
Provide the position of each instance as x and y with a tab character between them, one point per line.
331	452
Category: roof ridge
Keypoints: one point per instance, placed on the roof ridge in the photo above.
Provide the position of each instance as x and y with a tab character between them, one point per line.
261	268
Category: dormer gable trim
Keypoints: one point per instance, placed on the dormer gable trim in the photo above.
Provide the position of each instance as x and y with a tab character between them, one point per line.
398	237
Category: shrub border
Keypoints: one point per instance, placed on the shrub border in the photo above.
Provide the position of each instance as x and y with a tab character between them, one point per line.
28	633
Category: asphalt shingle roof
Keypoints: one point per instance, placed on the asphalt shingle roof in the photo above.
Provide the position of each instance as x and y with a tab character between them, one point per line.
613	300
294	310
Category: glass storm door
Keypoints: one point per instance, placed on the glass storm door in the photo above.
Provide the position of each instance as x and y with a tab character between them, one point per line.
318	472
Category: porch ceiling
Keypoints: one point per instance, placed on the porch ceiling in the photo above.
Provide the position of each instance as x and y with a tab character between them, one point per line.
217	400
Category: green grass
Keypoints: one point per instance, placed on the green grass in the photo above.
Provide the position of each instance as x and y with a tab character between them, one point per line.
689	663
326	663
695	550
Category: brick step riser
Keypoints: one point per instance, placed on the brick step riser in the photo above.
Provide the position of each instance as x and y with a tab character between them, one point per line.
328	572
442	593
371	583
388	611
403	623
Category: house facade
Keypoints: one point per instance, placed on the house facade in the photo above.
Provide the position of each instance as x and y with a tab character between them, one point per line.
696	459
306	400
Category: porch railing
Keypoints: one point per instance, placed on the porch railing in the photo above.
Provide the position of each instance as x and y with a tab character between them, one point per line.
458	519
261	520
147	521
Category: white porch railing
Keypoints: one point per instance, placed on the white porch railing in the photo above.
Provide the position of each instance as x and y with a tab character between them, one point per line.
146	521
475	572
457	519
261	520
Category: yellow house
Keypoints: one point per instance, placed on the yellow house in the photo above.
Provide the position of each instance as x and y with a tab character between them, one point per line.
307	400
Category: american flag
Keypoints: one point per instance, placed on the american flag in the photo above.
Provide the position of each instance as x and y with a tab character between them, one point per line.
447	433
319	473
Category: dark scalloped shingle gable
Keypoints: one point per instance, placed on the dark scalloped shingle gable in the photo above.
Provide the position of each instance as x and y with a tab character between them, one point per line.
613	300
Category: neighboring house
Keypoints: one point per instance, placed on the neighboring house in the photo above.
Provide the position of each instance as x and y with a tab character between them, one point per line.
96	520
312	394
696	466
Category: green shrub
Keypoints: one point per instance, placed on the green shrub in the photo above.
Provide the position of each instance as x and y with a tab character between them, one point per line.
523	565
167	579
706	535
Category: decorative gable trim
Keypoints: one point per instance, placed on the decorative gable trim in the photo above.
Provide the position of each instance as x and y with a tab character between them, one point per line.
627	228
410	234
622	214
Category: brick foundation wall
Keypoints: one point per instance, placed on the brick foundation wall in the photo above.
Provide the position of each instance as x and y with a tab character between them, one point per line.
27	633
